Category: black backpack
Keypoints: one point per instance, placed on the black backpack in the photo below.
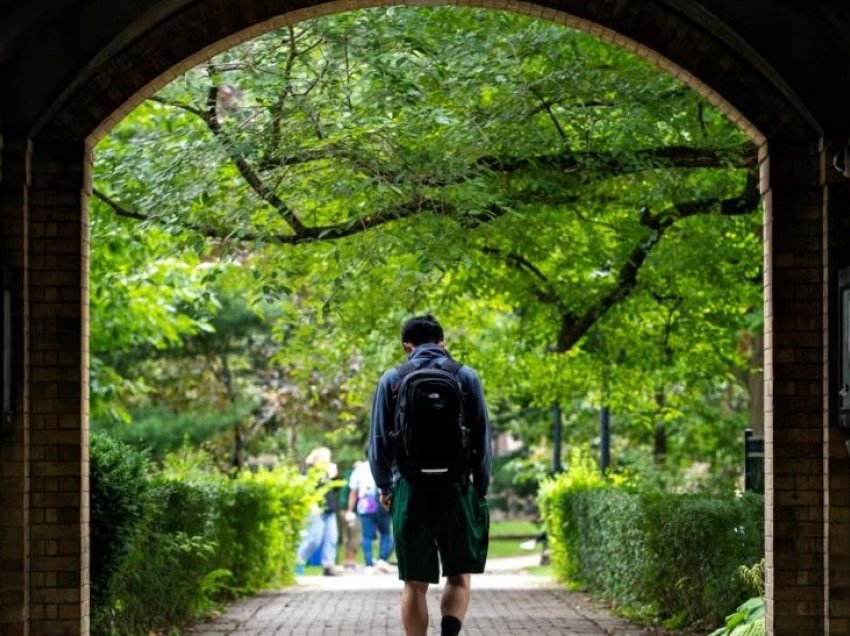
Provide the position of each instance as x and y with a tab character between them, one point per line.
431	437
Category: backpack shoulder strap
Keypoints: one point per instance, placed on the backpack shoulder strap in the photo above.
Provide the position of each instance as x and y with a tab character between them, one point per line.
406	368
449	364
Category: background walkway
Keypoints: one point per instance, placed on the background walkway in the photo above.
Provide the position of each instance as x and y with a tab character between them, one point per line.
504	603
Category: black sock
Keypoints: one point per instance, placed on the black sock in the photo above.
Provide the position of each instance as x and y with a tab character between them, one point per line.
450	626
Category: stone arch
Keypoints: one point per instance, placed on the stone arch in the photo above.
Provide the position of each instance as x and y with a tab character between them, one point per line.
44	191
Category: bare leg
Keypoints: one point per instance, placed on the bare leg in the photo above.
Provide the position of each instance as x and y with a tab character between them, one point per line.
455	599
414	608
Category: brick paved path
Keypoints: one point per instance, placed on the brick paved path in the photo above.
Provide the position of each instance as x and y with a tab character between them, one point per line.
504	603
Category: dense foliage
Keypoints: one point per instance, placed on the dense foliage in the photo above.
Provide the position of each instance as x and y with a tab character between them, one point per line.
672	558
167	545
584	225
162	430
747	620
119	488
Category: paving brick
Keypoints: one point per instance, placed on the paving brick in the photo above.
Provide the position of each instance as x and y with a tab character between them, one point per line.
502	605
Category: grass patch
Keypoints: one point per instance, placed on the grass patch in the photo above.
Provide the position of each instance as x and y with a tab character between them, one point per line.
498	528
501	548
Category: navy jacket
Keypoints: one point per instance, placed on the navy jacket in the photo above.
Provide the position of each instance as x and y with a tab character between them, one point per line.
381	458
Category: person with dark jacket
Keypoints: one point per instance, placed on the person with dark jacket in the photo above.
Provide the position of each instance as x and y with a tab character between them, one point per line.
449	524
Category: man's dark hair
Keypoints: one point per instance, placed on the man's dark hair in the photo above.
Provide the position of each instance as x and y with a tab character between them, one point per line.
422	330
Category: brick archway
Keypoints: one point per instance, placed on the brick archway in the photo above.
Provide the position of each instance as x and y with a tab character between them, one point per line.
44	189
730	77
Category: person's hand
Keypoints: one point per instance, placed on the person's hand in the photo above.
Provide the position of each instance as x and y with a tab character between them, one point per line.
350	517
387	501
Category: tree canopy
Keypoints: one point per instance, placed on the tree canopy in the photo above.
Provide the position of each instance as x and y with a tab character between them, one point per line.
585	226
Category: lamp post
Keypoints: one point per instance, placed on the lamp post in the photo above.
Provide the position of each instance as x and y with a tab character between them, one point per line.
557	430
604	438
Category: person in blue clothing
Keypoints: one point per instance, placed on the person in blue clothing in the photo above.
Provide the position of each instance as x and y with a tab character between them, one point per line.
448	525
322	530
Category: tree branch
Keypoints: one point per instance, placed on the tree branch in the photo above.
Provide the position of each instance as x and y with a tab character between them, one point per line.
414	207
593	164
178	104
548	108
597	103
427	205
584	166
121	210
204	230
251	177
574	327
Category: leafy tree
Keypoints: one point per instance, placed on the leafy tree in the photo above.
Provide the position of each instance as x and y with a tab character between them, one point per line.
584	223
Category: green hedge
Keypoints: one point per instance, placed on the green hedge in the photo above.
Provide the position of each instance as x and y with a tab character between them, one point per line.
199	536
118	486
656	556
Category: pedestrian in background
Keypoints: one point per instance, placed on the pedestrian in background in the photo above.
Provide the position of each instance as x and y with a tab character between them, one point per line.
322	530
349	525
363	500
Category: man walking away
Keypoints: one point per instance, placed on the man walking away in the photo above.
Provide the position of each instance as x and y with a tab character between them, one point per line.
430	456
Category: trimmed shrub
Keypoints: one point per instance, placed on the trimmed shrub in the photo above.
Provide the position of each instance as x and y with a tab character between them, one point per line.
657	556
118	485
699	543
162	582
260	520
200	537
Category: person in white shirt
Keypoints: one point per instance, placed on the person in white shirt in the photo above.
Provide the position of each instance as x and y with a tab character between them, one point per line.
363	500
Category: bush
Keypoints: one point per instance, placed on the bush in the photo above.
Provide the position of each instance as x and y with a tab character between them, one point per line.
201	536
556	510
657	556
118	486
162	582
699	543
261	515
748	620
